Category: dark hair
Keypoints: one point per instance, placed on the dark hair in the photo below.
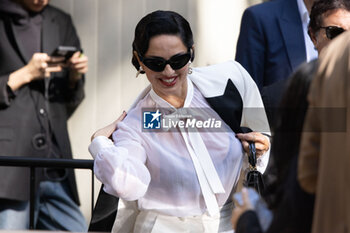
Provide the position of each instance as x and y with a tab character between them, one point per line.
320	8
160	23
289	126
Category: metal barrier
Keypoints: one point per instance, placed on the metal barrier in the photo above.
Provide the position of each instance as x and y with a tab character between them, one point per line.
33	163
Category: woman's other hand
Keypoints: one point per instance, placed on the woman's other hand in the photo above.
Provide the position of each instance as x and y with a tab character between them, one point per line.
262	143
240	209
109	129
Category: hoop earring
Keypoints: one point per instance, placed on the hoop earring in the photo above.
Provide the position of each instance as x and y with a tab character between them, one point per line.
140	71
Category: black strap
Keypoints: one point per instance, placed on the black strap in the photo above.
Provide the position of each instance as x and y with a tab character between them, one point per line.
252	155
104	213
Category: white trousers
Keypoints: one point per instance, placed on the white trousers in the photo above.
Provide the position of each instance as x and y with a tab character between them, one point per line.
153	222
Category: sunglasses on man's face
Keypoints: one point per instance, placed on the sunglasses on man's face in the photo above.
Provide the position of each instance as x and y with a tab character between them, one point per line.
158	63
333	31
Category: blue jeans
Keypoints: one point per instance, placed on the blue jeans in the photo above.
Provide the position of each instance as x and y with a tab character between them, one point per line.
54	210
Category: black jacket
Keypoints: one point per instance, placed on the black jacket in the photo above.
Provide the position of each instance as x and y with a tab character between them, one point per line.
25	113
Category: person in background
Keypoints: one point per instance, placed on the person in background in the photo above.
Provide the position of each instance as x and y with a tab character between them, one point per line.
181	178
327	16
273	40
272	43
323	167
291	206
38	93
328	19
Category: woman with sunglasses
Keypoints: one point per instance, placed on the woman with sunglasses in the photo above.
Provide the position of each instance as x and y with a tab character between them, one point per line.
182	178
328	19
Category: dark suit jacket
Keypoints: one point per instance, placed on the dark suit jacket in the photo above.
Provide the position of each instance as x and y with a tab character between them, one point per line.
271	41
24	113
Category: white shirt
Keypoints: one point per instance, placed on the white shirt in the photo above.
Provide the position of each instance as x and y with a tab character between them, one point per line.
155	168
311	52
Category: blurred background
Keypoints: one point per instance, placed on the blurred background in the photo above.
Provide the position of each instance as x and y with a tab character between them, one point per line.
106	29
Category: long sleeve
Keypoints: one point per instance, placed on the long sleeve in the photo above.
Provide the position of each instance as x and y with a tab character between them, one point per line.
121	166
250	51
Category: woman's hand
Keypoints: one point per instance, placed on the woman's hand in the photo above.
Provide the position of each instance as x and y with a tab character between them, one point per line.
240	209
262	143
109	129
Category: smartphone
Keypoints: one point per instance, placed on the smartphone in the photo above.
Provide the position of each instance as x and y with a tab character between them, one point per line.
64	51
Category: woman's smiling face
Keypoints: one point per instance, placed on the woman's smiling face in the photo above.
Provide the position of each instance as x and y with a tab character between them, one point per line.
169	82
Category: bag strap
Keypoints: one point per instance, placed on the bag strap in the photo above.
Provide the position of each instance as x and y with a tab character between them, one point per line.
104	213
252	156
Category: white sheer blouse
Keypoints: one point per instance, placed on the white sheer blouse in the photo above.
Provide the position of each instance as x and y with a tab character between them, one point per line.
155	168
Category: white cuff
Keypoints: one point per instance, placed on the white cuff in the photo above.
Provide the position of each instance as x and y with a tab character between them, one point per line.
263	161
98	144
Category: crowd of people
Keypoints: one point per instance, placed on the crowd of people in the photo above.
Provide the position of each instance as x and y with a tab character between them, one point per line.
286	93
